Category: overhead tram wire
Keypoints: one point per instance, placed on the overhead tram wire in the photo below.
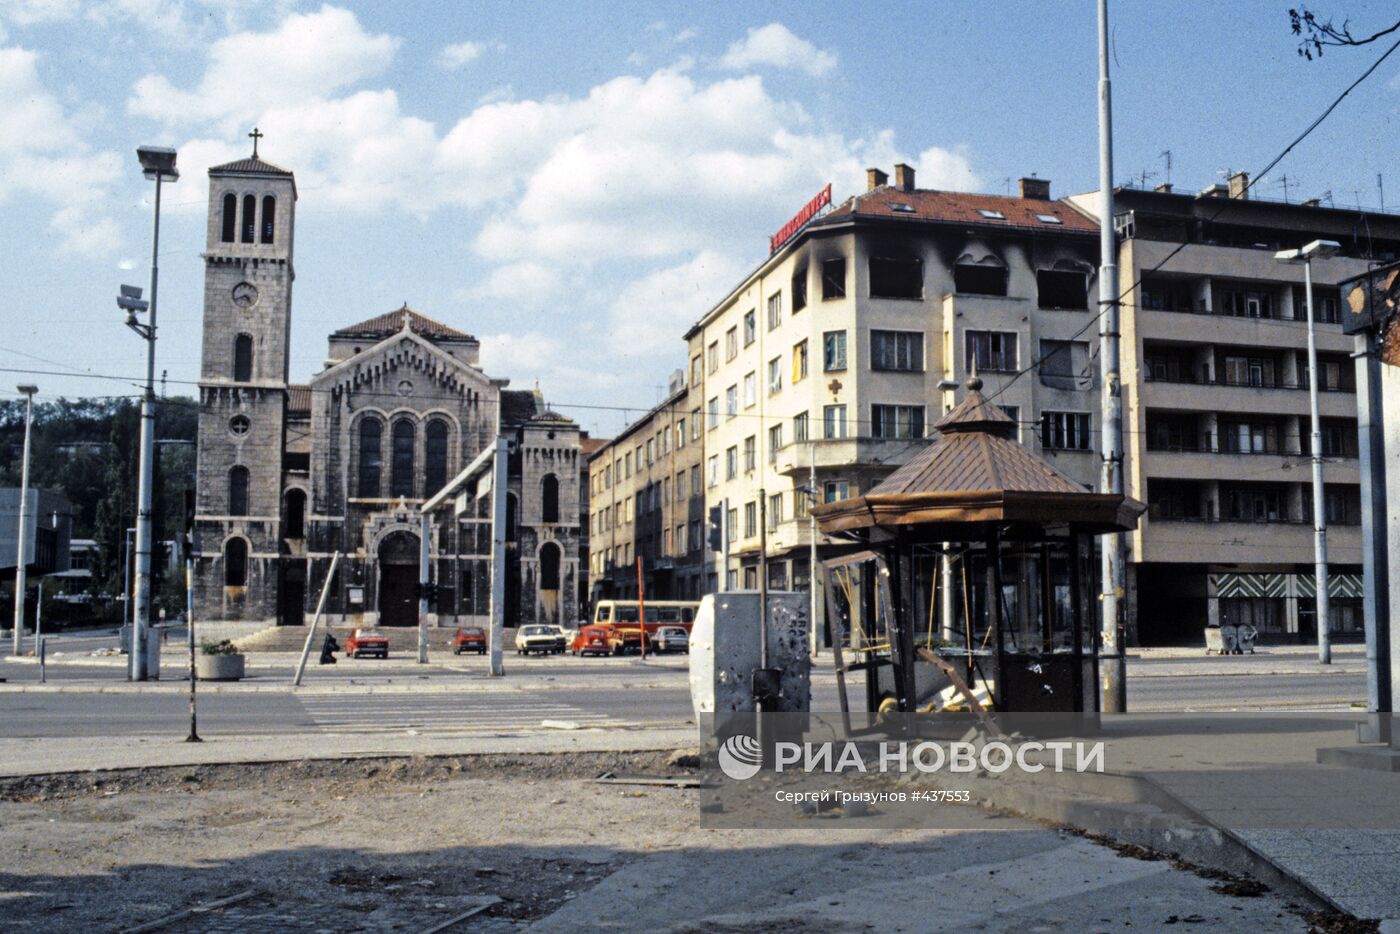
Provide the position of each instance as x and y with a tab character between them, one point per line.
1254	180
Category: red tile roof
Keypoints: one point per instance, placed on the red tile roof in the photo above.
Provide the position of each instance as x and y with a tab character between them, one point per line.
250	166
391	322
298	399
954	207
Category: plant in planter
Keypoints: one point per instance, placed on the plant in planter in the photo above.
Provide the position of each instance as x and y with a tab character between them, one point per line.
219	661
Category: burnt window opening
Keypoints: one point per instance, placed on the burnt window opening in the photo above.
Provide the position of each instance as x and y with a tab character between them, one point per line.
799	289
834	278
242	358
296	514
230	217
979	280
549	566
401	466
1062	289
371	457
549	498
435	457
236	563
238	491
250	208
896	277
269	217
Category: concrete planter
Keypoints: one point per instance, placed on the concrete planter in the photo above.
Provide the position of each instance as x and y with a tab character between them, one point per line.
218	667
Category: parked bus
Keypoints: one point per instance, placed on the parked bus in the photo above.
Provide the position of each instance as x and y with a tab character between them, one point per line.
625	613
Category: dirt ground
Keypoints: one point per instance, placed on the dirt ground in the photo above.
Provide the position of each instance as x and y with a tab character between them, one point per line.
406	845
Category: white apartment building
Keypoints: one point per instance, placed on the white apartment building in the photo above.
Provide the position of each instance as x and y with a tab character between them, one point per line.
856	335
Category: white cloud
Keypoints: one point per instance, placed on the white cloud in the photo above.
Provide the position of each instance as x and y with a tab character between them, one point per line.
43	153
776	46
308	57
456	56
650	314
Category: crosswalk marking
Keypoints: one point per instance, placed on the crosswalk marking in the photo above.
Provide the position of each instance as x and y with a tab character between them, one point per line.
440	714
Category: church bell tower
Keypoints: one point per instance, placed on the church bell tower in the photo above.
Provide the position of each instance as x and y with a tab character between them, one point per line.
243	388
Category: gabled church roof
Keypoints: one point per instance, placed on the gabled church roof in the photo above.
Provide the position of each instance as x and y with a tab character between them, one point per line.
253	165
392	322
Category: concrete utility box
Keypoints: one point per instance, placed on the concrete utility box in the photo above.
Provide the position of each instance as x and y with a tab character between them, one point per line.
725	650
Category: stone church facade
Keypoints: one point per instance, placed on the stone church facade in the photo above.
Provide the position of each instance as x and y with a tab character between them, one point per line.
289	474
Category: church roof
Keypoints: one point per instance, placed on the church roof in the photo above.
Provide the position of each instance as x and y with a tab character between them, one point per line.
253	165
298	399
518	406
392	322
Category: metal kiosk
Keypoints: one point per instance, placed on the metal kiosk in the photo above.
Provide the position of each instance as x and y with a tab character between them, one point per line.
966	585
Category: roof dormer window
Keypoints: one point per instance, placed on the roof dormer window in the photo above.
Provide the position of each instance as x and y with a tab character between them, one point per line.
991	215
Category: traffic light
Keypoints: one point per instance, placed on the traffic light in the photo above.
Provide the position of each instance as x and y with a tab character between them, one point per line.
715	528
189	524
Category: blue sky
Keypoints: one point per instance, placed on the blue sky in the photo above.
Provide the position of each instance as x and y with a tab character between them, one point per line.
576	183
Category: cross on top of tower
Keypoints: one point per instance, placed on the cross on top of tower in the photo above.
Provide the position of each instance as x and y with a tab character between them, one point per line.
255	136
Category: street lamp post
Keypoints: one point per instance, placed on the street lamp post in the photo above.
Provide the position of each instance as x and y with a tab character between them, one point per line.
157	164
1305	255
21	539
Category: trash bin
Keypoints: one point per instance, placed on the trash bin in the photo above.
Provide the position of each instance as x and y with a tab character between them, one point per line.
1245	637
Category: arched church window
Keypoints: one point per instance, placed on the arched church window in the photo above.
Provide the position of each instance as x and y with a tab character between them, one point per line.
238	491
269	217
549	566
435	457
230	217
242	358
401	469
371	456
250	207
236	563
549	498
296	514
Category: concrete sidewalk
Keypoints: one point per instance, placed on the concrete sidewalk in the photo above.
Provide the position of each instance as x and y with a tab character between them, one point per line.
88	754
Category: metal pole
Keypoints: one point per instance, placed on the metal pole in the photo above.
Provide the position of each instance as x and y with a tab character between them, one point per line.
642	606
43	655
812	610
142	620
945	562
1374	558
499	479
723	583
425	529
1324	634
189	639
22	539
1114	673
320	605
39	614
762	578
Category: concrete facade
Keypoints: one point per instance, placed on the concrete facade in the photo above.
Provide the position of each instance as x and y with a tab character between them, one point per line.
647	501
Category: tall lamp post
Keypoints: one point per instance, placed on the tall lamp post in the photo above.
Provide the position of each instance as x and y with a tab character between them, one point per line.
22	539
157	164
1305	256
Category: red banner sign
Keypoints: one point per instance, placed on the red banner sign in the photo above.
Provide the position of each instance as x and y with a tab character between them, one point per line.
799	220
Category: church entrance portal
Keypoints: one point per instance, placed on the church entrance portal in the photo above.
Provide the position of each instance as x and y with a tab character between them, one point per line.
398	575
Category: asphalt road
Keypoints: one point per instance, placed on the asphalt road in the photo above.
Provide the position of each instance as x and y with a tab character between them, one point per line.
588	692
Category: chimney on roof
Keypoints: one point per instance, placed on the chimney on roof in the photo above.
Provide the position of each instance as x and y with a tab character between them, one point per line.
874	178
1313	203
903	176
1037	188
1239	185
1165	188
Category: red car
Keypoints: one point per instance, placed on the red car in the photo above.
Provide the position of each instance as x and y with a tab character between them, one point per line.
469	639
591	640
367	642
